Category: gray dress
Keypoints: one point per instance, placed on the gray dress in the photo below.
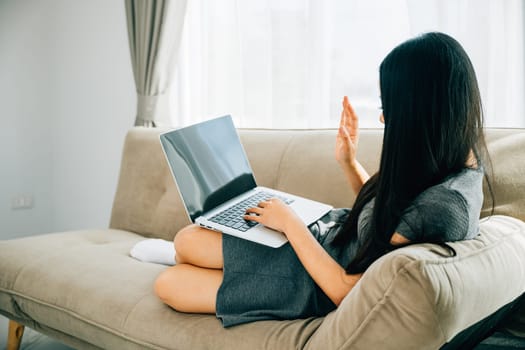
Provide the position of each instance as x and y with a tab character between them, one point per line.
263	283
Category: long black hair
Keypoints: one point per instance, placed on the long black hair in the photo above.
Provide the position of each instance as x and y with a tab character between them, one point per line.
433	119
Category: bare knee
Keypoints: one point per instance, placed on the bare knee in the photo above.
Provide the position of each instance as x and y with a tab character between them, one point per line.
162	285
199	246
183	243
166	286
187	288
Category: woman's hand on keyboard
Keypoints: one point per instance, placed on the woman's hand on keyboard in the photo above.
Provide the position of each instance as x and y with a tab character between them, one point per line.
273	213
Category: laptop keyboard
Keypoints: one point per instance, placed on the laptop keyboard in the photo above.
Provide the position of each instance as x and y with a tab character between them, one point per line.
233	216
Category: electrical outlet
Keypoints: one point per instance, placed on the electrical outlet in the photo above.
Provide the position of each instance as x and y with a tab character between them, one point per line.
22	202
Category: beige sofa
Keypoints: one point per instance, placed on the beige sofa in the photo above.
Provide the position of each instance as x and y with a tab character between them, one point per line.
83	288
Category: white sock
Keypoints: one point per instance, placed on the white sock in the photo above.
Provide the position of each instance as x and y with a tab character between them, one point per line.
154	250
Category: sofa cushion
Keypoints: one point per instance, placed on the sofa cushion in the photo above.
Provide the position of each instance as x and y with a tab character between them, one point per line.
418	297
85	284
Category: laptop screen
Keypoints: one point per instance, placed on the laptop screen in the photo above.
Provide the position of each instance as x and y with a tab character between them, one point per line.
208	163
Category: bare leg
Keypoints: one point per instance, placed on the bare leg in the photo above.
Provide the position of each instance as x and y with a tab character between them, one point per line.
188	288
200	247
192	284
16	331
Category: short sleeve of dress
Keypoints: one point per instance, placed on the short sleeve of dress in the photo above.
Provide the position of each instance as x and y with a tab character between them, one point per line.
439	214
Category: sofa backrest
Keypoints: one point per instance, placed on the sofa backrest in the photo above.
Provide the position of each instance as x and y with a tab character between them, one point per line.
507	153
297	161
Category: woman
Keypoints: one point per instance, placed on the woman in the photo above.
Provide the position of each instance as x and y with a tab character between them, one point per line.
428	189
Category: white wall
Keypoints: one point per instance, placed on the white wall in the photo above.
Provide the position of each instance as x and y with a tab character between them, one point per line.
67	99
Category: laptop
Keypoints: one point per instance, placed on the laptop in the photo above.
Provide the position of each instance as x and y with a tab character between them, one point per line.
217	185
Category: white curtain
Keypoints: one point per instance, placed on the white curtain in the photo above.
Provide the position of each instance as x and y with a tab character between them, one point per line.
154	33
287	64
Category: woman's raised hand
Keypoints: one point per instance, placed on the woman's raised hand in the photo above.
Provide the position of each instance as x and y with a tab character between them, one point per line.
347	136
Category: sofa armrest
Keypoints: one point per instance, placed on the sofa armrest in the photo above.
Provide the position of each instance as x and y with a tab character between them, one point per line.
418	297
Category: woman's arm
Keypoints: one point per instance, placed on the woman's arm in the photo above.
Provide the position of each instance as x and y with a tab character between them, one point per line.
356	175
323	269
346	148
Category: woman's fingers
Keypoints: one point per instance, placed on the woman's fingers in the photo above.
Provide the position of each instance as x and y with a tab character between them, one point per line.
264	204
249	214
345	124
260	208
345	101
347	115
349	110
344	113
351	121
254	210
344	132
255	218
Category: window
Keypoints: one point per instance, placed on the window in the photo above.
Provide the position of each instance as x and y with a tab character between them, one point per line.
287	64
